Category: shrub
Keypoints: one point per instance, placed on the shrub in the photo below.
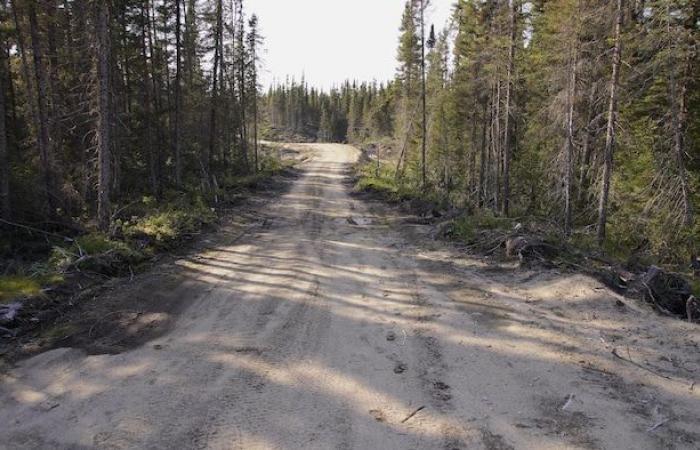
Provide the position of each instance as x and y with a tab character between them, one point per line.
94	252
162	228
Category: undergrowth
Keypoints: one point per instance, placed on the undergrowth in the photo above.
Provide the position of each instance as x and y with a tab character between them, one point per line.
623	245
33	260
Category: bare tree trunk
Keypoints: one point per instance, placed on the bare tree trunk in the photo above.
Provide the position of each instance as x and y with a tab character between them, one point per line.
497	149
678	115
177	138
125	60
53	87
587	148
255	108
241	83
104	117
610	132
5	211
569	142
215	91
424	141
482	157
42	83
402	156
507	151
680	157
148	97
156	150
492	138
471	159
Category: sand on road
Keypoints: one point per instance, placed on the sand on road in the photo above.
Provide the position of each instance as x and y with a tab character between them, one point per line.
328	327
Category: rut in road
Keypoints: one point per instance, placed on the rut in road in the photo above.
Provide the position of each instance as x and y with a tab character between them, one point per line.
325	327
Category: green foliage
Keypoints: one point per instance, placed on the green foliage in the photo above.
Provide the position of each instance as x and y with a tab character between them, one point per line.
27	285
166	225
382	182
466	228
94	252
97	243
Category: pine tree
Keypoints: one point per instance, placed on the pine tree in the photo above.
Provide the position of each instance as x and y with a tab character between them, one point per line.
104	122
612	123
5	210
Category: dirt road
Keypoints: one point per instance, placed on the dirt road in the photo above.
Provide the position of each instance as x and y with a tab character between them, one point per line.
332	326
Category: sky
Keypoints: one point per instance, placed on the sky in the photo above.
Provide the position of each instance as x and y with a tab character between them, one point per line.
333	40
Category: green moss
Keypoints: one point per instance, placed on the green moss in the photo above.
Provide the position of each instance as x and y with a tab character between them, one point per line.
12	287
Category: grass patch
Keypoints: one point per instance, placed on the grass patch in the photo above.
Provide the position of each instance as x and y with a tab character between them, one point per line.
377	184
19	286
162	228
16	286
467	228
383	182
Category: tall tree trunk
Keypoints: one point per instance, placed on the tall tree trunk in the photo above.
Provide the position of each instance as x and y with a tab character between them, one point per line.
54	88
190	42
124	50
587	147
424	135
507	150
42	127
610	130
241	84
177	138
678	115
255	105
569	142
679	125
471	158
5	211
497	148
148	106
104	115
482	157
156	149
215	91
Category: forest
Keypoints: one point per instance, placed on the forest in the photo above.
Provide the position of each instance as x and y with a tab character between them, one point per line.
106	101
493	245
585	114
132	117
